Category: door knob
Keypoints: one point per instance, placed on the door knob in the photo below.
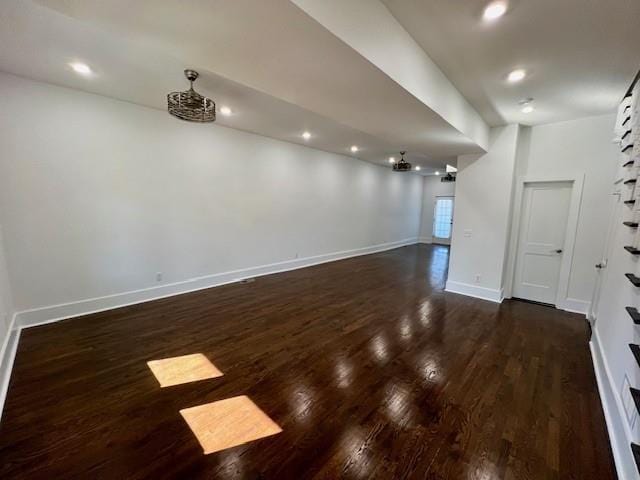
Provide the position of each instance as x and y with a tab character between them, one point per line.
599	265
558	250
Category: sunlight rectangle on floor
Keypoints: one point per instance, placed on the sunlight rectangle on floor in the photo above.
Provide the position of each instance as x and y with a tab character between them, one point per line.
228	423
184	369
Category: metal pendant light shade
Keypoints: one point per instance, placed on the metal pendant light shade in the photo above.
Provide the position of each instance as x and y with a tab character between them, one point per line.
402	165
190	105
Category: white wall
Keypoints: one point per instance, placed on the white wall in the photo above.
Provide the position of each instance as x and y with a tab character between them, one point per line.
98	195
612	332
616	369
581	147
432	188
482	217
485	198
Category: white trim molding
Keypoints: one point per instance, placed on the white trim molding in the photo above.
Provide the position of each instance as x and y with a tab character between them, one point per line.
619	431
469	290
54	313
577	183
425	240
7	357
574	305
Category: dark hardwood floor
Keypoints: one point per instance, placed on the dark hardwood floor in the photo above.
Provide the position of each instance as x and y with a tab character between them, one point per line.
369	368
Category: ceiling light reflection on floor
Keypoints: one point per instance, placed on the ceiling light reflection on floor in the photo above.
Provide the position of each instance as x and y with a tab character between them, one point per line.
398	404
425	313
429	369
483	470
301	400
184	369
228	423
343	373
406	329
378	346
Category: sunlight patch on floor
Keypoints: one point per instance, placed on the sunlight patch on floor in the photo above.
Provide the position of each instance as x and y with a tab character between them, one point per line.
184	369
228	423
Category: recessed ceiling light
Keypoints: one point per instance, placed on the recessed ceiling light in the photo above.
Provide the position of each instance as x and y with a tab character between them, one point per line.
392	160
418	168
517	75
81	68
354	148
495	10
526	105
306	135
437	173
225	111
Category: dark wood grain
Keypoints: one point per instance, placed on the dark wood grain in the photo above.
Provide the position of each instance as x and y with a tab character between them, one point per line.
369	368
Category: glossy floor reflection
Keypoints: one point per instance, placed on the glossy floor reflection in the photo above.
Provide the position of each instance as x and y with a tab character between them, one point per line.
370	369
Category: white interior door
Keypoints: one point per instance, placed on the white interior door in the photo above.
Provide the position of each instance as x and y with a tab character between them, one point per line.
443	220
543	225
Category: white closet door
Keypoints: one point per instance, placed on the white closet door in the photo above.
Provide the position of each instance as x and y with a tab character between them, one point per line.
543	224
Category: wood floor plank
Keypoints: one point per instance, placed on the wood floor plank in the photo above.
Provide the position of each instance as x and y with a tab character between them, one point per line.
369	368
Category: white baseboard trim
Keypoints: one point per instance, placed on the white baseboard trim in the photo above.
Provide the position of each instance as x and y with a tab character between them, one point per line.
7	356
575	306
425	239
617	426
474	291
54	313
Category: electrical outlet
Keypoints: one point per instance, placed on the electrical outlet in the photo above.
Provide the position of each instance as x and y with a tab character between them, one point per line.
477	278
297	254
159	277
467	233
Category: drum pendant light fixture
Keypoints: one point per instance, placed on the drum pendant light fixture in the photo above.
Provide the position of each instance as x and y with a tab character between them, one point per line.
402	165
190	105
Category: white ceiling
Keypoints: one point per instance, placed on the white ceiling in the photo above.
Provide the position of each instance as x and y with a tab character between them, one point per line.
278	69
582	54
282	71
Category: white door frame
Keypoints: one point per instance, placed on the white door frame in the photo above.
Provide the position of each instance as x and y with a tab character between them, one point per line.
602	272
577	184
